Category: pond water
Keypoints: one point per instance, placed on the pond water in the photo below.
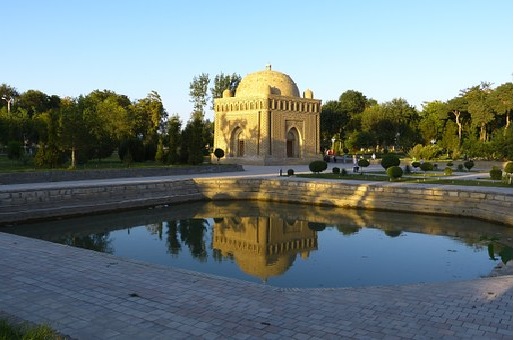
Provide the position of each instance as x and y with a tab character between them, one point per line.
287	245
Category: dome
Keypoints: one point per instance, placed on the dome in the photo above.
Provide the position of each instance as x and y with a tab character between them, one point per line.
267	82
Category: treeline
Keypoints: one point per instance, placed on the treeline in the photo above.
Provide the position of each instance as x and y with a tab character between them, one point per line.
52	132
477	123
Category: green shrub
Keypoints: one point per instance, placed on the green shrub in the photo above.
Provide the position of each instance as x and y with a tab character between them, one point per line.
415	164
508	168
390	160
469	164
219	153
290	172
460	167
336	170
495	173
448	171
317	166
344	172
449	164
394	172
427	166
363	162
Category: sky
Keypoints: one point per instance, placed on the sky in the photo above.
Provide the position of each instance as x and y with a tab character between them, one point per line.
418	50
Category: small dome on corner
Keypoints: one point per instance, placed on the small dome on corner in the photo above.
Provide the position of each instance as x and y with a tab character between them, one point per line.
227	93
308	94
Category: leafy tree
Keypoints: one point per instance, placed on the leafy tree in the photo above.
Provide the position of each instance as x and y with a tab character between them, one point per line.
480	108
223	82
458	106
501	102
198	94
432	120
148	115
174	125
332	121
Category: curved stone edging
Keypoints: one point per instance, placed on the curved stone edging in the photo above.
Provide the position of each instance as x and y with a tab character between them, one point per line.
62	199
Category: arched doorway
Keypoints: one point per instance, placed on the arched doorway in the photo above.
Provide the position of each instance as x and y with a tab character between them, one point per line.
237	143
293	143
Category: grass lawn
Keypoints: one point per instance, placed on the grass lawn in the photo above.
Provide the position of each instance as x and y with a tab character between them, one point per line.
23	332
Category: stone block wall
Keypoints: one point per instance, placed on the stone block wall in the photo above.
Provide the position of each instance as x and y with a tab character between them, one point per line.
58	199
430	199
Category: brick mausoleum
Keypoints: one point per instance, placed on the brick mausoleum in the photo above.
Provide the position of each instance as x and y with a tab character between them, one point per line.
267	122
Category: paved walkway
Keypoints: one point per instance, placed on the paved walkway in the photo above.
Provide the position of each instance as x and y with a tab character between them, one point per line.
89	295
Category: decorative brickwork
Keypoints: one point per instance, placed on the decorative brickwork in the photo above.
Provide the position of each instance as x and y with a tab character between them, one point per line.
267	122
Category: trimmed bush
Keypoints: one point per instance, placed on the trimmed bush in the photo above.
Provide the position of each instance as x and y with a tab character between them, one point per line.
290	172
508	168
460	167
344	172
336	170
394	172
448	171
415	164
449	164
390	160
219	153
363	162
317	166
427	166
495	173
468	165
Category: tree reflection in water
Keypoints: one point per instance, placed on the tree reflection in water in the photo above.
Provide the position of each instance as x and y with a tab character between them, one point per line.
98	242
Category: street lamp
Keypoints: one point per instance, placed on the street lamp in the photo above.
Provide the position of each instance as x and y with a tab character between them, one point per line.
9	101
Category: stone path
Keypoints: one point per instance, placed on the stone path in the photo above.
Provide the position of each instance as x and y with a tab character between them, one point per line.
89	295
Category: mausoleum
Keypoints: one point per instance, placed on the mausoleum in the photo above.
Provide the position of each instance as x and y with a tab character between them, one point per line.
267	121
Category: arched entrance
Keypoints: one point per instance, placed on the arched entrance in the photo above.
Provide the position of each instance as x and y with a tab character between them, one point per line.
293	143
237	143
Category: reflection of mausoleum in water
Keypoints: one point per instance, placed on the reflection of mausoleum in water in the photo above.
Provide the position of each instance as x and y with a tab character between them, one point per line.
263	246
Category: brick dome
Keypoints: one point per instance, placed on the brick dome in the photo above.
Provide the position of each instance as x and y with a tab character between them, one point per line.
266	82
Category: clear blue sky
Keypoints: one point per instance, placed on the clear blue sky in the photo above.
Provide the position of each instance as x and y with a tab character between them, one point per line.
419	50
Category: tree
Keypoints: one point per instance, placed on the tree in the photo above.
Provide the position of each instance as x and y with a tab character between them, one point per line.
174	125
432	120
223	82
332	121
501	101
457	106
198	94
480	109
148	115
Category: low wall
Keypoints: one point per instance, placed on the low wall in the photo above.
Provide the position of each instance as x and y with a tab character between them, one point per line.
91	174
60	199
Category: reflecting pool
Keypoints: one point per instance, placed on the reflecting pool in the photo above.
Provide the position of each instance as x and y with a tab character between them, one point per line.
287	245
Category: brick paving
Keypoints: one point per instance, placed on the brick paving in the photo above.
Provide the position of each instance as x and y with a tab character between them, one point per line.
89	295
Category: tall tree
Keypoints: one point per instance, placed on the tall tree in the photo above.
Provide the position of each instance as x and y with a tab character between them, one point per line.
501	101
174	125
458	106
198	94
432	120
480	109
223	82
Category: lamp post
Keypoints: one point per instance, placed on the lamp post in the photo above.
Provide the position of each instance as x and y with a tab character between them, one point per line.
9	101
